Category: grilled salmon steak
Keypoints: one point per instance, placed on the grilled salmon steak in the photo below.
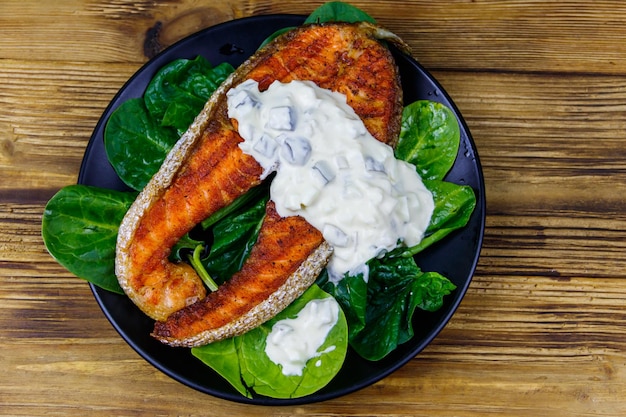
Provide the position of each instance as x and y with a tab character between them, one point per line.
206	170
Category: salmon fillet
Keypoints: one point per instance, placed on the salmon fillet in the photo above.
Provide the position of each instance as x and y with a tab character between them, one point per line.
206	170
254	294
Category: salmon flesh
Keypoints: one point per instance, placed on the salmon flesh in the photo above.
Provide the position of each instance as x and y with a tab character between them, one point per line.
206	170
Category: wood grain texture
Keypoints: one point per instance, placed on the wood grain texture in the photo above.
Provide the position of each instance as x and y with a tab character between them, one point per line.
542	86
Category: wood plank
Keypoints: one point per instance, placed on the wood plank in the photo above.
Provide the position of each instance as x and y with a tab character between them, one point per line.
542	142
533	36
49	113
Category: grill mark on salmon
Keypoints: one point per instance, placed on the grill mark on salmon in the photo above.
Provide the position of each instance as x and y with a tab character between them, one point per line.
206	170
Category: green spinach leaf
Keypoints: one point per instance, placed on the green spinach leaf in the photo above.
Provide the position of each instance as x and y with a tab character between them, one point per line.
79	229
380	312
337	11
233	239
429	138
351	294
454	205
396	287
179	90
223	358
136	144
244	363
185	246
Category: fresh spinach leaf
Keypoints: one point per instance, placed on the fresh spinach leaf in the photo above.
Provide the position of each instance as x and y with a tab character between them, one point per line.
185	245
179	90
136	144
244	363
429	138
396	287
79	228
380	312
351	294
454	205
223	358
337	11
233	239
179	116
266	378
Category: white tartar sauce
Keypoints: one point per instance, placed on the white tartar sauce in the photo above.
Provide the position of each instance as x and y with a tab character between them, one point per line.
331	171
293	342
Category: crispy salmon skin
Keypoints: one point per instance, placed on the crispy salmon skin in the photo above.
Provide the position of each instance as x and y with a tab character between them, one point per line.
206	170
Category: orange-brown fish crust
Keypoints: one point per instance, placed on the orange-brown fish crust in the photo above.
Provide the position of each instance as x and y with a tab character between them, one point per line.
207	170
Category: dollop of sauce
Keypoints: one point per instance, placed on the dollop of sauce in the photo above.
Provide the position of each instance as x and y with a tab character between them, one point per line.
293	342
331	171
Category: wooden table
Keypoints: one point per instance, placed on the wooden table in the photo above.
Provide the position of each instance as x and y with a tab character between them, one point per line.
542	86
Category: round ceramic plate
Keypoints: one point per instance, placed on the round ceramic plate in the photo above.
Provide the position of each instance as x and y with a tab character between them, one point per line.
455	257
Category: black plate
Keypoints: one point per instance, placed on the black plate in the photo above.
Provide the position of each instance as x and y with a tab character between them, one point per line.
455	257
